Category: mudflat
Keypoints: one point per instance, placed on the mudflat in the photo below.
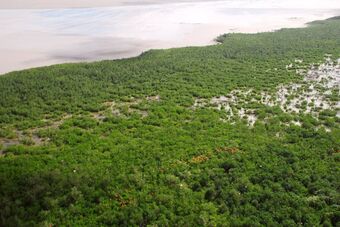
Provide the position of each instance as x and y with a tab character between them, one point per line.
38	33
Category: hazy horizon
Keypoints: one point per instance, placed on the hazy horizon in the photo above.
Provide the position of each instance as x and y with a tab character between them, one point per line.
43	4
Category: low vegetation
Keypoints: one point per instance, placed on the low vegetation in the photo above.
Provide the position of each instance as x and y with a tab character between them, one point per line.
242	133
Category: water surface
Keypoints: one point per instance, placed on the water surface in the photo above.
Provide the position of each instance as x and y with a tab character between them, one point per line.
37	36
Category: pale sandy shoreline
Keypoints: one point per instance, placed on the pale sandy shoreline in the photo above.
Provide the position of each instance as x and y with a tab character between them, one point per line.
40	37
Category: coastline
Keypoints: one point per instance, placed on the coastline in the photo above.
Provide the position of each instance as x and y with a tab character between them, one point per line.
58	36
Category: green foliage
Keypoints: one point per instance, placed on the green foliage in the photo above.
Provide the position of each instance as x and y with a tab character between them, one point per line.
91	144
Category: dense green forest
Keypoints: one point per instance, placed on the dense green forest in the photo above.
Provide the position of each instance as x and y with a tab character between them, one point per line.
241	133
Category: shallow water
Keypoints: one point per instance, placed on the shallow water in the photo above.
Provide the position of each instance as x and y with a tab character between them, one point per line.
38	37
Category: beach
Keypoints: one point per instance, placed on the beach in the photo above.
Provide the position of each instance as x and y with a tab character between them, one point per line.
40	34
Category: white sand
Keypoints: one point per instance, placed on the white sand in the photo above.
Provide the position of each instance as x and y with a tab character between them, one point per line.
125	28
